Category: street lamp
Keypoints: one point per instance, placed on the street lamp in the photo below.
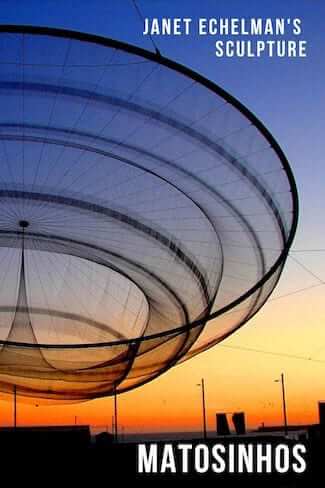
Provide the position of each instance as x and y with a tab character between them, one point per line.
203	409
284	405
15	406
115	415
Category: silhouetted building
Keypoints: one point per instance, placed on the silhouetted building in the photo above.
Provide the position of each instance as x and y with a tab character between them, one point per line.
222	424
238	419
104	439
46	437
279	428
321	411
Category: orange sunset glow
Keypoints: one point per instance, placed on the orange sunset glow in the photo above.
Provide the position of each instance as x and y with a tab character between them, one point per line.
235	379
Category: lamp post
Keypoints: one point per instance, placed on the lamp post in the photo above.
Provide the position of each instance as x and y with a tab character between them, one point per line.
115	415
284	403
15	406
203	408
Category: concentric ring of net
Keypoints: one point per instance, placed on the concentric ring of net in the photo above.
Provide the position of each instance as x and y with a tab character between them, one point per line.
145	214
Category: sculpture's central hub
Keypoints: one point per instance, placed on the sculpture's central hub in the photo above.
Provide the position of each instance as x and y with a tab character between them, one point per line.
23	224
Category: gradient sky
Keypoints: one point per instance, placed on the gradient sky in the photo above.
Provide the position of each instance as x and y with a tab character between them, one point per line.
288	95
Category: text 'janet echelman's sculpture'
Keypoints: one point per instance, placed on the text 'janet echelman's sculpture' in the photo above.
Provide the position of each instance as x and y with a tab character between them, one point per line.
145	214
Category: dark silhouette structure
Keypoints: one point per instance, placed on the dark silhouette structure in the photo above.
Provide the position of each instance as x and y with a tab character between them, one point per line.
238	420
104	440
321	410
222	424
45	438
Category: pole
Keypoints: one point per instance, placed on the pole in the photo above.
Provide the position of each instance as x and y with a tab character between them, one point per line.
204	410
115	414
15	406
284	405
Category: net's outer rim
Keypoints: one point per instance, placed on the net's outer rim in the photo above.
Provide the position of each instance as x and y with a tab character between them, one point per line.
175	66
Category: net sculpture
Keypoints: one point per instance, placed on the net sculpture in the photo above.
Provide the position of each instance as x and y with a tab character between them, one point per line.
145	214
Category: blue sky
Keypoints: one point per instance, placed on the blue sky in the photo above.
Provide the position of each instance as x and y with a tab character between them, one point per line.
287	94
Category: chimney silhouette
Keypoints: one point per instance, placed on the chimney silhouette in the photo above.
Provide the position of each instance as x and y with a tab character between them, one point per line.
222	424
321	410
238	420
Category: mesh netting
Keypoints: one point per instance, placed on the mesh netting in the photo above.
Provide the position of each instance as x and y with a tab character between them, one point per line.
145	215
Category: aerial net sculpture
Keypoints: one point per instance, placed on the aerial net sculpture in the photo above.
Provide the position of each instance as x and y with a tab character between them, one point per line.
145	214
